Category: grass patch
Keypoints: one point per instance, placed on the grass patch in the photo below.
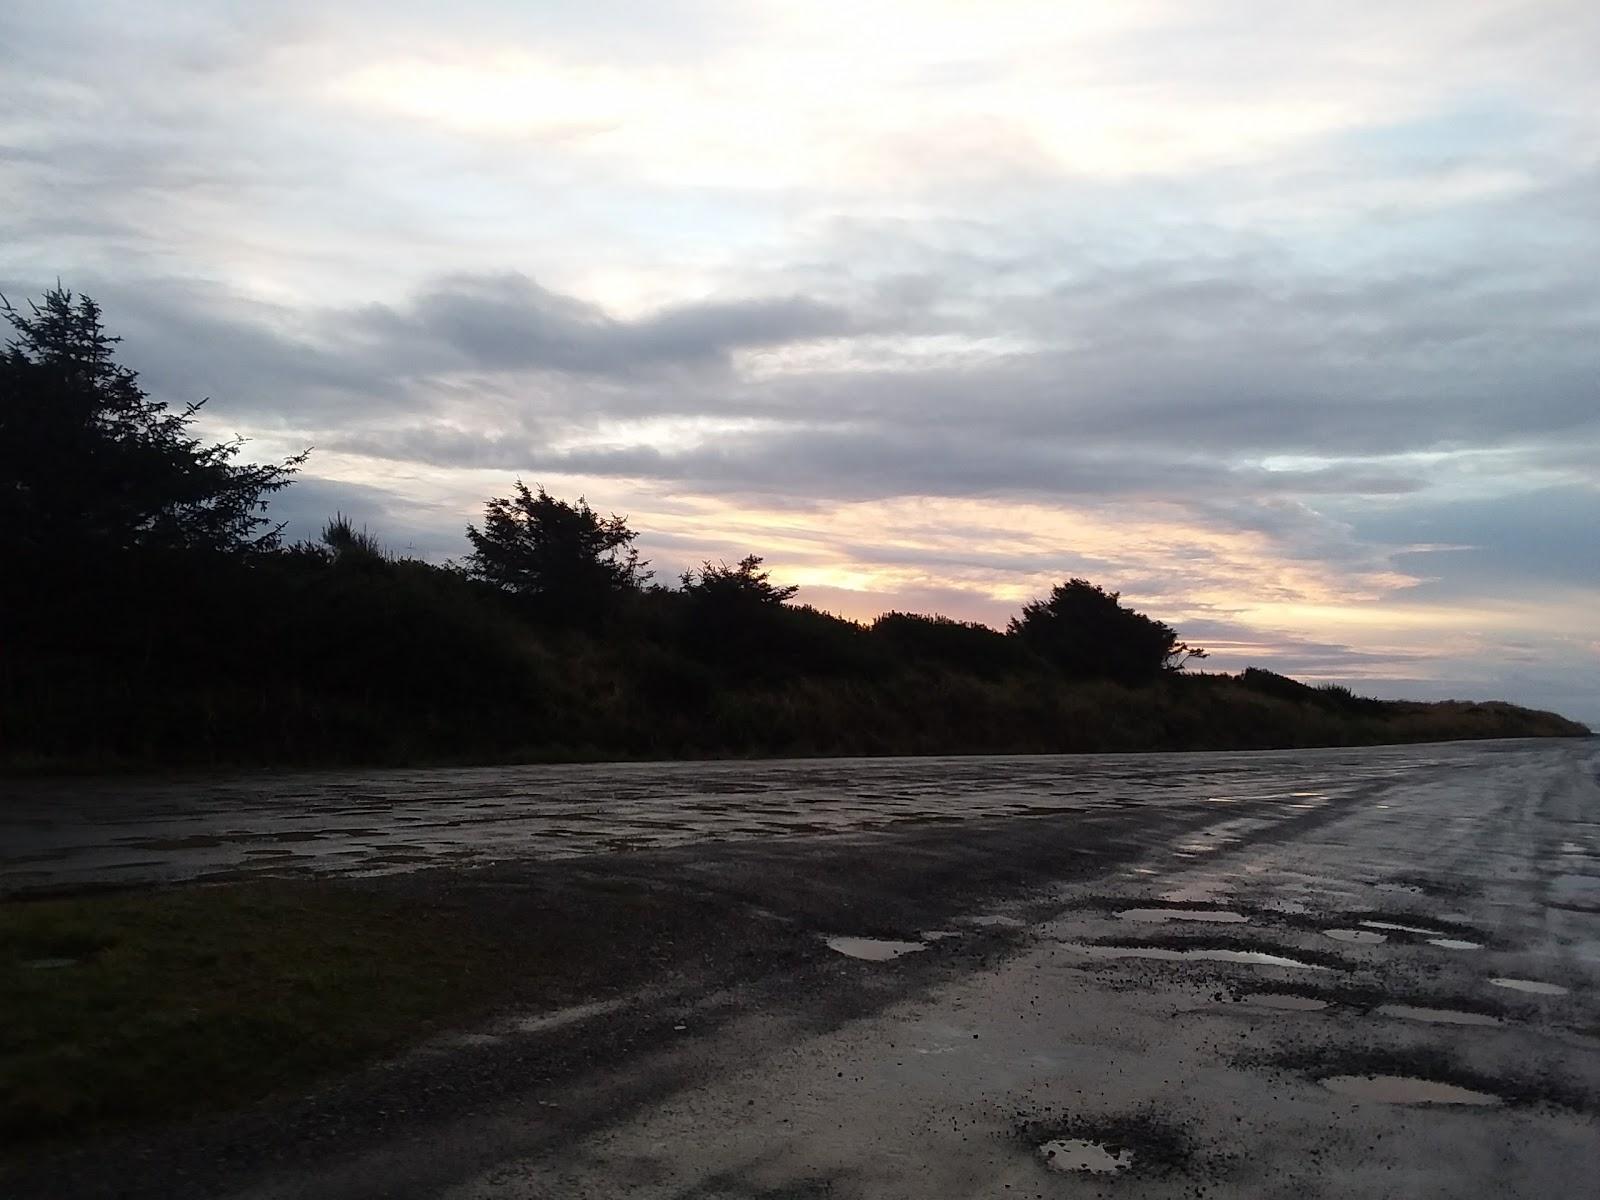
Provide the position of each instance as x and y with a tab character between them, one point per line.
117	1008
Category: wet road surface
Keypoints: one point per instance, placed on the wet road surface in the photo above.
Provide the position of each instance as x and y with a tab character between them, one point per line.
1337	973
68	833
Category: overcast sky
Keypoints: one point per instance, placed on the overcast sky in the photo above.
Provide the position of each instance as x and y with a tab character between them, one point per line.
1279	318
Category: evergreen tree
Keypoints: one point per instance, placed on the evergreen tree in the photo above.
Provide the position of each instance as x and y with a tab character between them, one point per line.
91	466
564	561
1088	634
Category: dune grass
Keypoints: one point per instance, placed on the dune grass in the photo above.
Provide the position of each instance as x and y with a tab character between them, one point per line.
125	1007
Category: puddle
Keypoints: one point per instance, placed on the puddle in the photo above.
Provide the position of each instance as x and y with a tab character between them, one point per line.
1398	928
993	920
1360	937
50	964
1284	1002
1404	1089
873	949
1258	958
937	935
1455	944
1182	914
1531	985
1075	1154
1439	1016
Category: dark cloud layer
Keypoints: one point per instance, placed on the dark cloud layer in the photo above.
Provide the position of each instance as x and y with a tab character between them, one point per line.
1541	538
510	323
1250	387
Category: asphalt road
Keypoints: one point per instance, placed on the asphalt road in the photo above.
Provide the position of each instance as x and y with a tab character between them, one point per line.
1335	973
69	833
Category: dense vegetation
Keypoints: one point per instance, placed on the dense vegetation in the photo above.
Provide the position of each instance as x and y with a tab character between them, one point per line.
153	615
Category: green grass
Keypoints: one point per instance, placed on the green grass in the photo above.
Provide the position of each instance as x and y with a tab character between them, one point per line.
131	1007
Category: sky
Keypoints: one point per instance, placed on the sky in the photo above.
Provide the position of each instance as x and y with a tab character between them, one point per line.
1279	319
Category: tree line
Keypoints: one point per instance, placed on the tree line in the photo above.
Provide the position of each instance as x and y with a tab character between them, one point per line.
100	472
153	609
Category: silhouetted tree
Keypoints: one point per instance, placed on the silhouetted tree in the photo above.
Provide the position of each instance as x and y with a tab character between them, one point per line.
92	465
1088	634
745	584
568	563
732	614
351	545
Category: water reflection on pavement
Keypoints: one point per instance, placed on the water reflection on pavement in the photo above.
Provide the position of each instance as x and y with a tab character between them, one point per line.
68	833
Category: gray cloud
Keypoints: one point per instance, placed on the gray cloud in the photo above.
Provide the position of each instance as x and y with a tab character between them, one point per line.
510	323
401	524
1231	646
490	372
870	463
523	360
1500	546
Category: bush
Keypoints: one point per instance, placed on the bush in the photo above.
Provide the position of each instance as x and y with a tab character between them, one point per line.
1087	633
912	639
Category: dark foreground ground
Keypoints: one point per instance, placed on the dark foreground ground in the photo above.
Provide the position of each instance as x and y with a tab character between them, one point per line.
1190	973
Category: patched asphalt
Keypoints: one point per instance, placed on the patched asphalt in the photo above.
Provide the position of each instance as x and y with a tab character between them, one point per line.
921	978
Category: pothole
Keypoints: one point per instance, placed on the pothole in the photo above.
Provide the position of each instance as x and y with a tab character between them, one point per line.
1532	986
1259	958
1216	916
1438	1016
873	949
1404	1089
1358	937
1143	1142
1076	1154
1455	943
